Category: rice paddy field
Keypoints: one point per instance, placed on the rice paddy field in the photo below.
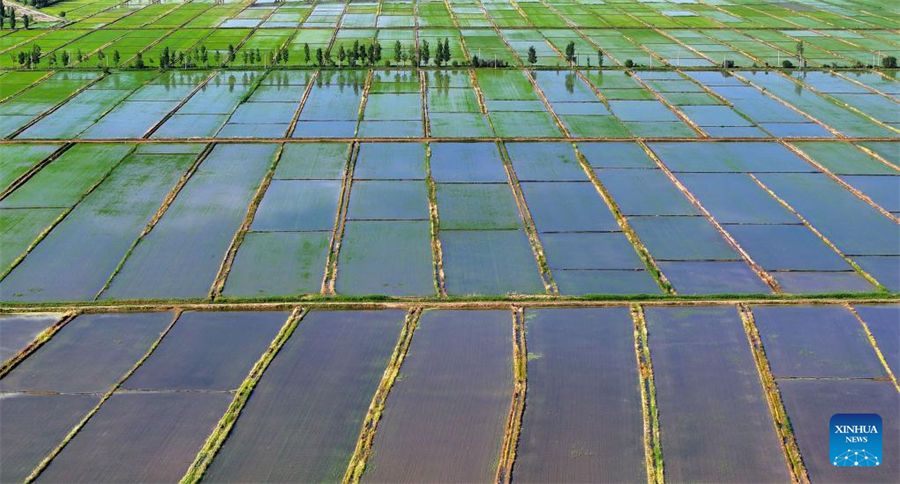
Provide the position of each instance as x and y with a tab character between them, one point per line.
447	241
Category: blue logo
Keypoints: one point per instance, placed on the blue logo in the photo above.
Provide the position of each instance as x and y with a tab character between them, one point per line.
855	440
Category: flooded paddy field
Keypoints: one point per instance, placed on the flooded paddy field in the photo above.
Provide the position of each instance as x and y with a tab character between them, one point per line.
405	104
447	241
214	220
615	391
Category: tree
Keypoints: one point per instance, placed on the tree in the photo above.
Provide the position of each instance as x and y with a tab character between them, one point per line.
164	58
398	52
306	53
426	52
376	52
370	54
413	55
629	63
139	61
320	58
439	54
800	59
12	21
570	52
787	64
35	54
65	58
116	57
27	20
446	50
342	54
230	53
599	57
889	62
532	55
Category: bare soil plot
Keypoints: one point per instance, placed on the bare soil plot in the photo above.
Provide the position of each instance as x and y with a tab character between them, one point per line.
89	354
207	351
303	418
582	420
139	437
444	418
705	375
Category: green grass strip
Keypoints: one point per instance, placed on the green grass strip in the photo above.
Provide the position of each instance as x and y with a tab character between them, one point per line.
42	338
217	438
773	397
77	428
517	406
653	451
357	464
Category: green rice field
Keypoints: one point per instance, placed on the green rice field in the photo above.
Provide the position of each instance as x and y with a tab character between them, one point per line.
447	241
